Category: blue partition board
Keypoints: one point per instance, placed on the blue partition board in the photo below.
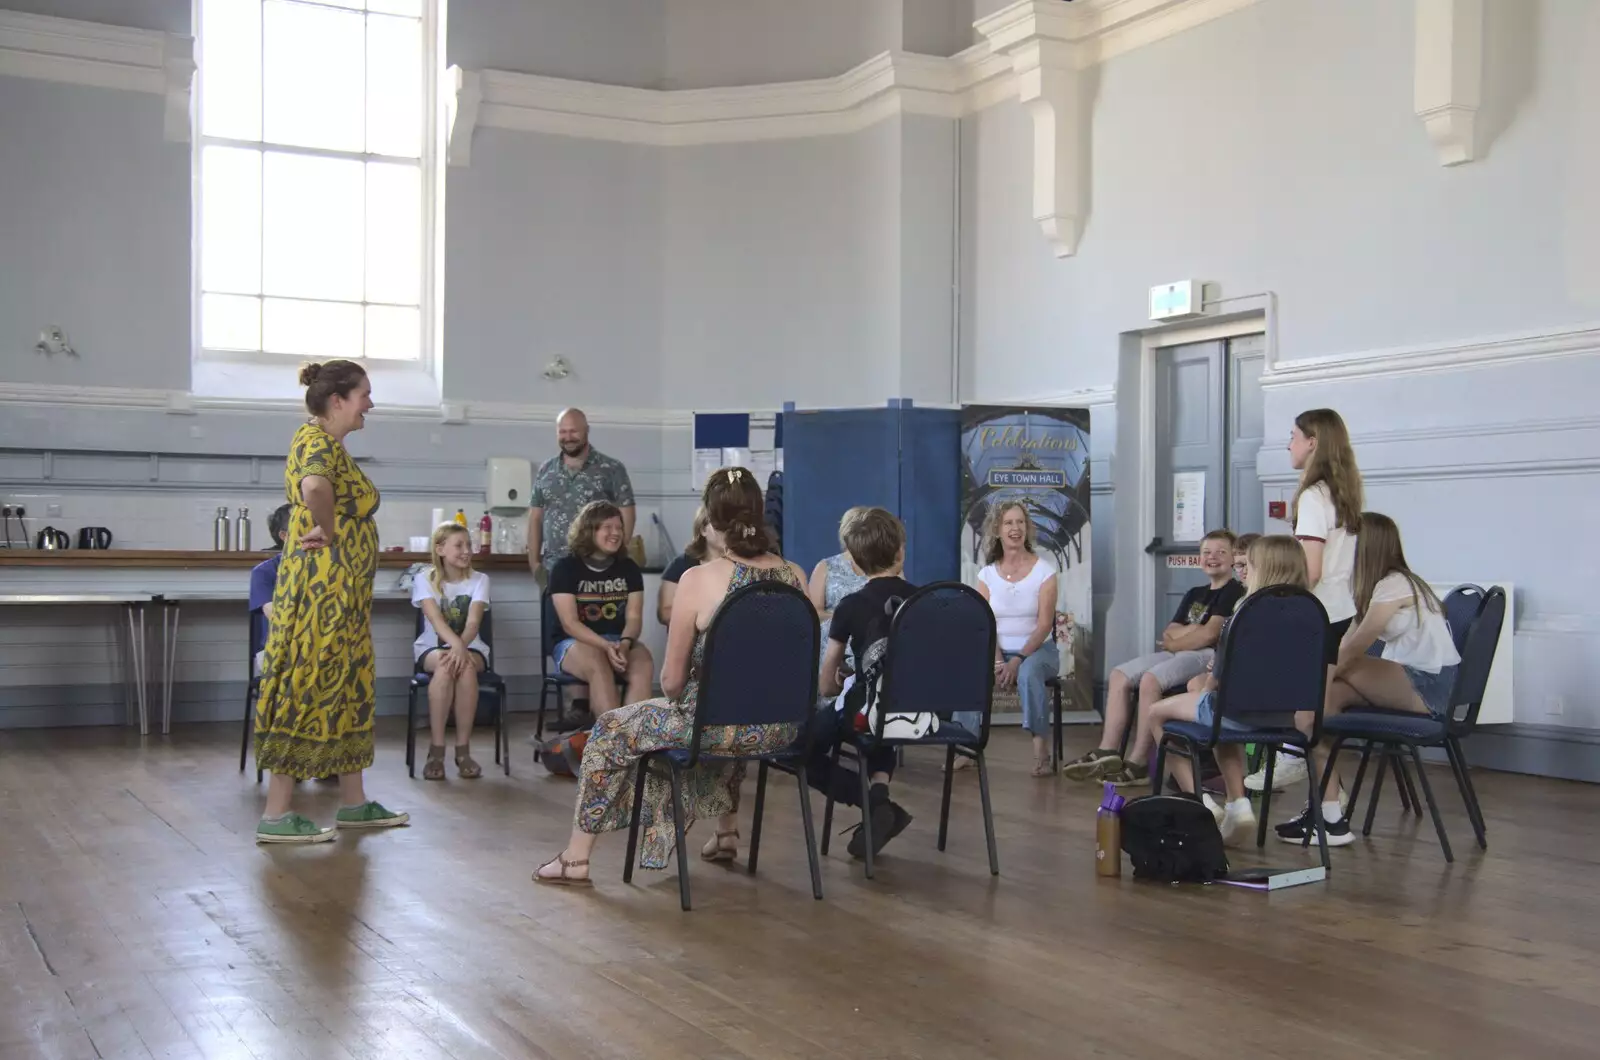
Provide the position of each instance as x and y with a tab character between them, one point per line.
722	430
903	459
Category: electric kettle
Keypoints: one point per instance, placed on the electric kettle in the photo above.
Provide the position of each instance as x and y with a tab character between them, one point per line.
94	537
52	538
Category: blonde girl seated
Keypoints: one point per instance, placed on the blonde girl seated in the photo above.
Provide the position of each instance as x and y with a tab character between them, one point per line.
1273	560
453	598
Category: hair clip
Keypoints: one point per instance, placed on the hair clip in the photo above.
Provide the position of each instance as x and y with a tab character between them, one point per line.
734	473
749	531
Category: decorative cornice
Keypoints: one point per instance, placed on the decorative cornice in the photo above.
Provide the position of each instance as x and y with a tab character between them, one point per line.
1449	75
482	413
102	56
1081	398
1441	357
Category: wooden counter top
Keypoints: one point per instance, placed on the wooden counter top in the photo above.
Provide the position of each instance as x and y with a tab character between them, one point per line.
207	560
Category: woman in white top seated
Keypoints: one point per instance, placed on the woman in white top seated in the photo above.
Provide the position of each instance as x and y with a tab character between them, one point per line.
1021	588
1418	667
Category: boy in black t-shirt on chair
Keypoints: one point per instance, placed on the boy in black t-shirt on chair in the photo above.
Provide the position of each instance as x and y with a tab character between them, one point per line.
1187	647
876	542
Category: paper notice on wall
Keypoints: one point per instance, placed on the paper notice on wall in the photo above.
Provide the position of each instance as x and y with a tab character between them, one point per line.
1188	505
705	462
763	462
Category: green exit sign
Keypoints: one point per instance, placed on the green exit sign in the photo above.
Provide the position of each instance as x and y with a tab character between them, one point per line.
1175	301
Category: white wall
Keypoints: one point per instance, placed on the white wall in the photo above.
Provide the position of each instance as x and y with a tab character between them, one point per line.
1276	148
615	42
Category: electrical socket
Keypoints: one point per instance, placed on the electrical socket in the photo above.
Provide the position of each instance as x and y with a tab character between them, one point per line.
1556	707
20	511
52	511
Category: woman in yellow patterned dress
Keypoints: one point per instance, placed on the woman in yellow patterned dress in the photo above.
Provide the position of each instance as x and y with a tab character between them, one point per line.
314	712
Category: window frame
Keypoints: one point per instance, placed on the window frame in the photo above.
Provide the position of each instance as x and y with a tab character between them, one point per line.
431	165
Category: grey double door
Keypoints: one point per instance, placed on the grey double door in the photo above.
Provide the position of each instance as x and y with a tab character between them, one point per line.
1208	429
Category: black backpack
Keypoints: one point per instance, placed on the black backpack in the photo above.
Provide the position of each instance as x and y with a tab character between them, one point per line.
1173	839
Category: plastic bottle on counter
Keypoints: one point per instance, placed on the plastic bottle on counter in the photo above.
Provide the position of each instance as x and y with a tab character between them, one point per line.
461	517
241	531
485	534
221	532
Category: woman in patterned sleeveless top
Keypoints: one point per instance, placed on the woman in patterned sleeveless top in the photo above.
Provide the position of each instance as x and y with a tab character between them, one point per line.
735	524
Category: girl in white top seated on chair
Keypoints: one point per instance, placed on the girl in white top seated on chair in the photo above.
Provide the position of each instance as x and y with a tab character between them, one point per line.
1021	588
1418	667
453	598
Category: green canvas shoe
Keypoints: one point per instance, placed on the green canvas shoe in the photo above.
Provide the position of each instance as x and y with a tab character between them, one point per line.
370	815
292	828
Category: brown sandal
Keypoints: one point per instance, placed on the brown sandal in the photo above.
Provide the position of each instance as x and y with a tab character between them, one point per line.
466	767
433	769
563	880
715	851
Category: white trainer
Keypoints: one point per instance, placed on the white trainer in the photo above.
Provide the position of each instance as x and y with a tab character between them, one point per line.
1288	771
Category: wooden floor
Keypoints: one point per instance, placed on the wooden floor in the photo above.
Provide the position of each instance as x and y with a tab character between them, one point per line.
137	919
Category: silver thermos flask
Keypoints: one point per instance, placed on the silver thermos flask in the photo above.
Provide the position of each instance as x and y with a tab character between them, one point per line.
241	531
221	532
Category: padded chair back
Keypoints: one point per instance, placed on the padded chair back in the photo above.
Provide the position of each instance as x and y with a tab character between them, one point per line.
1461	606
1272	659
759	664
1477	658
940	655
550	630
257	638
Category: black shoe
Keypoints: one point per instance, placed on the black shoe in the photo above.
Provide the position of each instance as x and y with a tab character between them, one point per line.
1296	830
901	820
572	722
883	822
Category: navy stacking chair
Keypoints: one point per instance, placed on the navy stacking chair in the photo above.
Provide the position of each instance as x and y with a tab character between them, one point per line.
758	667
1271	664
490	685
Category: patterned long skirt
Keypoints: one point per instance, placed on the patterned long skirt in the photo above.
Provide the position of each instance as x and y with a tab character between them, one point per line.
611	764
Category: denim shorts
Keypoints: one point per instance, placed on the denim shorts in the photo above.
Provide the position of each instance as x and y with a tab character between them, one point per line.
1203	714
559	652
1434	688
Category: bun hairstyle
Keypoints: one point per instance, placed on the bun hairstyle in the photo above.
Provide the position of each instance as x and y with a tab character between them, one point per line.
733	506
328	380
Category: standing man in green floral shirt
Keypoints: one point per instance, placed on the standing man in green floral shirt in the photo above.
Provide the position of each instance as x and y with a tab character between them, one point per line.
566	482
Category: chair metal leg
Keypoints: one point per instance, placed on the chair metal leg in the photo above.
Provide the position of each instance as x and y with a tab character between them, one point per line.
755	826
988	815
1468	793
676	778
1433	805
1327	773
1316	815
249	721
411	733
866	815
811	835
1402	784
1377	790
1266	796
633	823
1361	773
502	732
1057	754
944	801
1158	768
827	811
1194	767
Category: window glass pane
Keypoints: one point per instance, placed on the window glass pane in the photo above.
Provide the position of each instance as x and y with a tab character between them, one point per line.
230	322
394	233
230	65
312	219
394	86
311	329
314	76
413	8
394	332
230	220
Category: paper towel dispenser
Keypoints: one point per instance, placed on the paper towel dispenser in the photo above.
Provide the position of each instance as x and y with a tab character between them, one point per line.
510	482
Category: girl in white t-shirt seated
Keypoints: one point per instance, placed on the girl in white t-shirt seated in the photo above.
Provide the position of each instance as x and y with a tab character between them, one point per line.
1417	670
453	598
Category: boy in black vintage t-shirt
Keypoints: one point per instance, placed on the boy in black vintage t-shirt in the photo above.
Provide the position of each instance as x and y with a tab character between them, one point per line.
1187	647
876	542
